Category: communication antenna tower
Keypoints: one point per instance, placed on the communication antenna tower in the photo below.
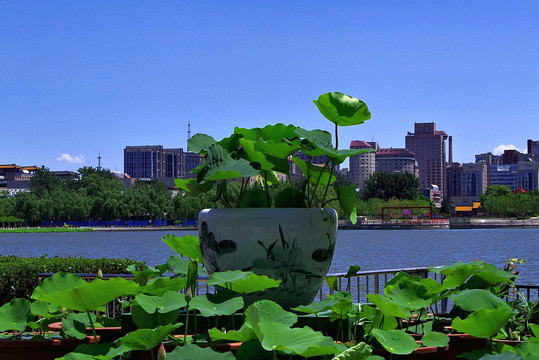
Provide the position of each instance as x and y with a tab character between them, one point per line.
99	162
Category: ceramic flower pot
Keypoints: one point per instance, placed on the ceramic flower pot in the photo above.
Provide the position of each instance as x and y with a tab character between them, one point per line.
288	244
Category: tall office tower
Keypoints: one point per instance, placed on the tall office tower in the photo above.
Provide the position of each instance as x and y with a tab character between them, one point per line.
428	145
533	148
192	160
362	165
505	175
396	160
146	161
453	180
174	163
474	179
528	175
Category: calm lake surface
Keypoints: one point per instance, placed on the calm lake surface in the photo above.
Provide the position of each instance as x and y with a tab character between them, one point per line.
370	249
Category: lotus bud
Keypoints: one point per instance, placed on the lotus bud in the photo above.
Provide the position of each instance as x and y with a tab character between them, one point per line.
99	274
188	294
161	353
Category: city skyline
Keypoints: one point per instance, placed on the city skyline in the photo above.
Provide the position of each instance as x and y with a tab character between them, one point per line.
85	79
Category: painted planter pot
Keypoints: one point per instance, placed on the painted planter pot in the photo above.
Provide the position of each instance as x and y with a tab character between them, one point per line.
292	245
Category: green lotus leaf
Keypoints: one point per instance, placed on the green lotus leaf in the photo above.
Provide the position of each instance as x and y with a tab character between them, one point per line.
194	352
475	299
169	301
95	351
360	351
492	275
142	276
342	306
192	186
15	315
387	306
505	356
242	282
458	276
200	143
57	282
254	198
45	310
341	109
180	265
266	310
374	357
219	165
188	246
243	335
289	198
434	338
352	271
160	285
483	323
377	319
527	349
395	341
314	172
276	132
395	280
348	199
410	295
146	339
217	304
145	320
74	325
316	307
268	156
91	296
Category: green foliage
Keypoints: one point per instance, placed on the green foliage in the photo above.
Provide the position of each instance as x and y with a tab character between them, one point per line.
263	152
385	186
500	201
19	276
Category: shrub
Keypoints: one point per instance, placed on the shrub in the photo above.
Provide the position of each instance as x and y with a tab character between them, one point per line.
19	276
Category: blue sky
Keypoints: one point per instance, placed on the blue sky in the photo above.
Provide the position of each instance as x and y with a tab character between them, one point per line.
79	78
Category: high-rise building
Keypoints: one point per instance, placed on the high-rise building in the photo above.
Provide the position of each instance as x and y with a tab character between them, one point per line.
362	165
528	175
396	160
533	148
144	162
428	145
174	163
192	161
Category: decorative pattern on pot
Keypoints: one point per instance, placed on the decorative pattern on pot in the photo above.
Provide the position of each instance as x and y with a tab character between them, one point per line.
289	244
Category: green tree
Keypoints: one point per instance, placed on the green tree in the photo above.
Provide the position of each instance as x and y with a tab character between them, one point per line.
384	185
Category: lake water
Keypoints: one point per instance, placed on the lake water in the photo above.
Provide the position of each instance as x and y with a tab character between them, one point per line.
370	249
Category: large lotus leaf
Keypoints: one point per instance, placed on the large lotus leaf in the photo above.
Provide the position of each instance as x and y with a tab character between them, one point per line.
289	198
395	280
348	199
57	282
535	330
188	246
194	352
492	275
74	325
395	341
281	149
324	347
448	269
302	341
377	319
316	307
341	109
434	338
91	296
216	304
374	357
253	350
146	339
180	265
475	299
505	356
276	132
266	310
387	306
145	320
15	315
342	306
219	165
45	310
483	323
169	301
432	285
314	173
200	143
410	295
360	351
527	350
458	276
192	186
242	282
95	351
142	276
269	162
243	335
160	285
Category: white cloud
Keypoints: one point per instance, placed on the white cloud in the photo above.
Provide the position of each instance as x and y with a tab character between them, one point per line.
498	150
71	159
